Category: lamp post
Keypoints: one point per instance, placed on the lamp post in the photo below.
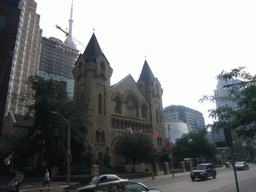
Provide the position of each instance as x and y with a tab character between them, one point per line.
229	141
170	149
68	149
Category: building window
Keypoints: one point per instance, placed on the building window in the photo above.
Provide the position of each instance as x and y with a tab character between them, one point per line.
117	105
97	137
113	123
102	136
130	103
100	104
144	111
157	116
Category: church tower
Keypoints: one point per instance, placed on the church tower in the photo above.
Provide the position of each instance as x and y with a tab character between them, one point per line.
151	87
92	74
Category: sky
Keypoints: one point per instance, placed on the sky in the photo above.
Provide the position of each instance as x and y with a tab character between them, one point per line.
186	43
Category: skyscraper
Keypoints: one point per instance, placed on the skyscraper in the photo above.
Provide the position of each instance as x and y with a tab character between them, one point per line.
25	52
57	61
221	91
193	118
58	58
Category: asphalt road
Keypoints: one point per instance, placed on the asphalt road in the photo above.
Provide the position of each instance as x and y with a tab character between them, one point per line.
225	182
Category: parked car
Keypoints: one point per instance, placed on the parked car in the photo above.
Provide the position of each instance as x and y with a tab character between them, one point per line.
203	171
95	183
130	186
242	165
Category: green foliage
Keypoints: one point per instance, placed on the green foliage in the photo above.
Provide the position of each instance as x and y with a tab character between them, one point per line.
242	118
87	158
137	147
49	128
194	145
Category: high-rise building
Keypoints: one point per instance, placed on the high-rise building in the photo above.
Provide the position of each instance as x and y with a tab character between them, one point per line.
222	91
22	21
57	62
58	58
194	119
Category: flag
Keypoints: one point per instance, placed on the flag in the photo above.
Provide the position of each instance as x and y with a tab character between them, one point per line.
156	133
130	129
141	131
167	144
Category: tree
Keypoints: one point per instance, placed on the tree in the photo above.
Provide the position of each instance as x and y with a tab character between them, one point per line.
136	147
242	119
194	145
45	135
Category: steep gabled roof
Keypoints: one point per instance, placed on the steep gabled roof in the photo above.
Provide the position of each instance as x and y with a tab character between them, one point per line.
93	49
146	74
113	87
120	82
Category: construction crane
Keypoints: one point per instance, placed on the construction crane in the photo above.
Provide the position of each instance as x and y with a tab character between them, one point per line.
68	35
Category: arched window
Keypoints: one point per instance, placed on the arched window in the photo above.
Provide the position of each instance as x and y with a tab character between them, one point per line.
144	111
113	123
157	116
97	136
100	103
117	105
117	124
157	89
121	124
160	141
102	136
131	103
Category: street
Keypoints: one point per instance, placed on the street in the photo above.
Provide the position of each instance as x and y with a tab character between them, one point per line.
224	182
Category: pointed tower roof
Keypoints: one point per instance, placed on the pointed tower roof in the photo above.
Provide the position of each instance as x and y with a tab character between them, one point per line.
146	74
92	50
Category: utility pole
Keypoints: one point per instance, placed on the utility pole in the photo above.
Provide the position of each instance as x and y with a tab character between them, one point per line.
170	148
68	147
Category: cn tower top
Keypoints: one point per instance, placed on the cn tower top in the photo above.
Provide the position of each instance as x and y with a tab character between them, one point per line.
69	41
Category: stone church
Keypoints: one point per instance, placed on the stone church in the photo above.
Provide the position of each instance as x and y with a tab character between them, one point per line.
114	108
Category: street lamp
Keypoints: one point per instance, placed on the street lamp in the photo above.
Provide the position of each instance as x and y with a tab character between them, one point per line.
229	141
68	149
170	149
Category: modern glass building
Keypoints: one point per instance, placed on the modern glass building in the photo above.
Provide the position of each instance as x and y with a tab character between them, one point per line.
57	62
193	118
219	137
175	128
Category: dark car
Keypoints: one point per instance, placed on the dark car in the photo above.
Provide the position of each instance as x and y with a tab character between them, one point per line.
94	183
203	171
130	186
241	165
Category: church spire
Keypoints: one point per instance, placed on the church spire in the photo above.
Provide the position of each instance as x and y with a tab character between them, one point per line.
146	75
93	49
